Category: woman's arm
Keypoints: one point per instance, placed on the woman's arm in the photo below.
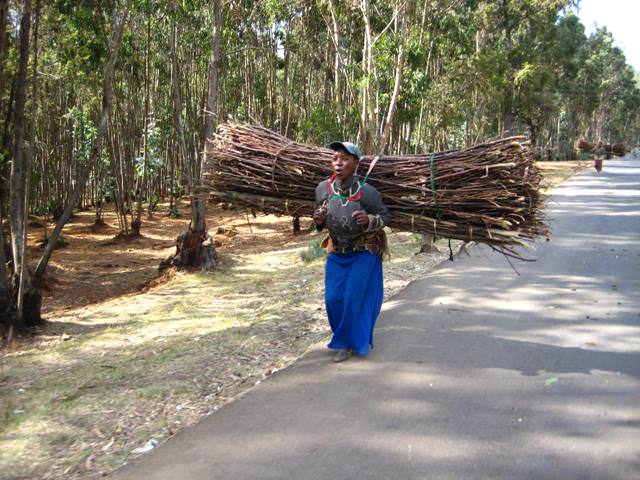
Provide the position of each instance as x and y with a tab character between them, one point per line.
320	213
377	211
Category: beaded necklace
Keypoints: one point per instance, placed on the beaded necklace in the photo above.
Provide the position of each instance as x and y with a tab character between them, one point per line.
344	199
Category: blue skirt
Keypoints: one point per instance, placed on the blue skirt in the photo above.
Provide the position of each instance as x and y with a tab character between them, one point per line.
353	297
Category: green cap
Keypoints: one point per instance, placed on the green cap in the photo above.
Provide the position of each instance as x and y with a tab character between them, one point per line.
350	148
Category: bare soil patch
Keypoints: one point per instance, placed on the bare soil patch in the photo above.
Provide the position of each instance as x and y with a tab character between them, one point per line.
97	264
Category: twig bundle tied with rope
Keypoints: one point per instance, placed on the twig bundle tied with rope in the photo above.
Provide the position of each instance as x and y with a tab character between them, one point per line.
617	149
488	193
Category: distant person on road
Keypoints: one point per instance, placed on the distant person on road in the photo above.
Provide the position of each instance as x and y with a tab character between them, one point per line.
354	214
600	153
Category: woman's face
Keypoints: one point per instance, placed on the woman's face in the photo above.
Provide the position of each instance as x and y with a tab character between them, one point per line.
344	165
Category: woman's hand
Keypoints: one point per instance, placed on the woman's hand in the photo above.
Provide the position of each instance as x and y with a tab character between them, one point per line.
320	215
361	217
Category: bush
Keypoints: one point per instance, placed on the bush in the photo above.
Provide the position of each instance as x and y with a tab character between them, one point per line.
313	251
153	204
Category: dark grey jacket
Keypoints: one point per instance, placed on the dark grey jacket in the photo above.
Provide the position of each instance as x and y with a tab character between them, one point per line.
340	223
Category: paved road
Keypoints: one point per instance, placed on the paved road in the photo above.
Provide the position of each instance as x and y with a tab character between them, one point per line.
477	372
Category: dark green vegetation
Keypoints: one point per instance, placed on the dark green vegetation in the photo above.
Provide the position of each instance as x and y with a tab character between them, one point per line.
110	102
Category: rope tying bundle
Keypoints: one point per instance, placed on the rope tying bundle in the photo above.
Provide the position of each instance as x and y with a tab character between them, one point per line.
273	164
433	186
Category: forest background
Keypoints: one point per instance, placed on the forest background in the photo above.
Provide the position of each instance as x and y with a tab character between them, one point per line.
108	104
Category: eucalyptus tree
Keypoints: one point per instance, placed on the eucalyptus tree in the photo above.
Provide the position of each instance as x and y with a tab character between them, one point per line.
19	191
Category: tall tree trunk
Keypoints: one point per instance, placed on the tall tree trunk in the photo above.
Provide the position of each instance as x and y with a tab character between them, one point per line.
337	99
194	248
285	86
5	283
507	114
508	95
145	153
4	10
19	182
9	115
394	99
173	207
29	297
212	97
205	257
384	141
557	140
367	115
177	106
273	66
96	147
117	172
5	289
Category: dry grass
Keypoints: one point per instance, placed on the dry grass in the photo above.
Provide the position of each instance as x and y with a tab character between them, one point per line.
556	173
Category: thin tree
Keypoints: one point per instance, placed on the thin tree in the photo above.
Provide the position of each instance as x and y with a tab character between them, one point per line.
195	247
400	59
5	288
4	10
96	147
145	174
18	194
210	114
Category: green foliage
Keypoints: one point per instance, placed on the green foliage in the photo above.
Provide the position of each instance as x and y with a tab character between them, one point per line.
469	68
84	133
154	152
321	127
78	37
313	251
154	202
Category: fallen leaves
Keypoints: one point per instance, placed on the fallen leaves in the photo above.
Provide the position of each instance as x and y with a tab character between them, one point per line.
550	381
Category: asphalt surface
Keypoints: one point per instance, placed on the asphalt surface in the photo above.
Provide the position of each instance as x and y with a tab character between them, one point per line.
478	372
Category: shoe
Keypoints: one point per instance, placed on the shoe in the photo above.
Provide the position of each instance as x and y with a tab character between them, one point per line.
342	355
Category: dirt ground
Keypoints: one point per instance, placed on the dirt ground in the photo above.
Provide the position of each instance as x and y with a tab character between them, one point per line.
95	266
116	371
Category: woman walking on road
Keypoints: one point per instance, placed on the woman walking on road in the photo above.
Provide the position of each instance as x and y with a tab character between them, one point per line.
354	214
600	153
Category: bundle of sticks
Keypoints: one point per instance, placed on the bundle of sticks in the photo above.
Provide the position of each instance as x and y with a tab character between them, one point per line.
617	149
488	193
